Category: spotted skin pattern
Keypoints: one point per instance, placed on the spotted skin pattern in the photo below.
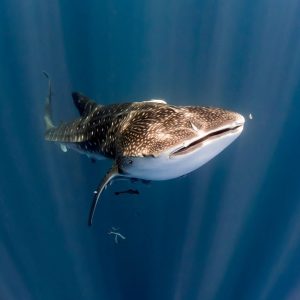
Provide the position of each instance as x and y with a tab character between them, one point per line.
129	131
134	129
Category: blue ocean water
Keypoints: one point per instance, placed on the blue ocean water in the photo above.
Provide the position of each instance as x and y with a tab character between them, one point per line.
230	230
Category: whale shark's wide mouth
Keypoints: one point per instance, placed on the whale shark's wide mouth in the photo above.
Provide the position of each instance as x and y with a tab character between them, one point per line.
209	137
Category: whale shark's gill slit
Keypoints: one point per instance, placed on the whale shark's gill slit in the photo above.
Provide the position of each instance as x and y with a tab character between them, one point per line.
194	145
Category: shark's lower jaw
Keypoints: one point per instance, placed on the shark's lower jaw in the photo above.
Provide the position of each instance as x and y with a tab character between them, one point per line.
207	138
183	160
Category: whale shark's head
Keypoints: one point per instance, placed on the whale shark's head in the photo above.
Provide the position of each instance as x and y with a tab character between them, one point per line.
180	142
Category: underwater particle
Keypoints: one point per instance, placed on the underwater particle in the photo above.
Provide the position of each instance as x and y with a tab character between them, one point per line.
117	235
250	116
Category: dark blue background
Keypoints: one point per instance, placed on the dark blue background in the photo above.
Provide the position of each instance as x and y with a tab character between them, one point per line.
230	230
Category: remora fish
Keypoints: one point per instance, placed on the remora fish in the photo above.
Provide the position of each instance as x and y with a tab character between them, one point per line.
148	140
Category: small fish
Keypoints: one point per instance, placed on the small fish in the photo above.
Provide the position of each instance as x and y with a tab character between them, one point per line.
117	235
148	140
130	191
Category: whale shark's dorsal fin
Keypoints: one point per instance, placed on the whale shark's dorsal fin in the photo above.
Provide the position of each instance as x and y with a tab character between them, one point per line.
112	173
83	103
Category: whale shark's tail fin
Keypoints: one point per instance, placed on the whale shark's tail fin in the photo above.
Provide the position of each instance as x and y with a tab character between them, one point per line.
48	111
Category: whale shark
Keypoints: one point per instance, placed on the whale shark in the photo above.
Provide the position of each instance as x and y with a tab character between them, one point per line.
146	140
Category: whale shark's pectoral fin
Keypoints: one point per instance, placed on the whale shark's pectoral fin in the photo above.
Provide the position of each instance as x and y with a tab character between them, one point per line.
112	173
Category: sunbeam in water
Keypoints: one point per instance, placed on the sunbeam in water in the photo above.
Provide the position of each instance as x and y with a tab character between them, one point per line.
229	230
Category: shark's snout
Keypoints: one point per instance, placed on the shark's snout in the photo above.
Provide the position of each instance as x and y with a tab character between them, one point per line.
240	120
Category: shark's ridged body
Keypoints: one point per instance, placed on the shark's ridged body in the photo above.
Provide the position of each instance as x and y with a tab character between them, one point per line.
147	140
92	133
135	129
